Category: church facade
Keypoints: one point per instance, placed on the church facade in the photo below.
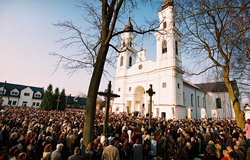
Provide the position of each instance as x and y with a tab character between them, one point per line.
174	97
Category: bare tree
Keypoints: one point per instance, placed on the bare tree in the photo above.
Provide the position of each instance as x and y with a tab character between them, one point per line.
94	45
216	34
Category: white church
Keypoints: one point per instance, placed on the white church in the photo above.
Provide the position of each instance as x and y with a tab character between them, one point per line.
174	97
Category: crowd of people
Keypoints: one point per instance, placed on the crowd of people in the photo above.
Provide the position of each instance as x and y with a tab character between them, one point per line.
32	134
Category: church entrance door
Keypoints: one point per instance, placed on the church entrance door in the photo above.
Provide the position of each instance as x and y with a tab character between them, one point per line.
139	99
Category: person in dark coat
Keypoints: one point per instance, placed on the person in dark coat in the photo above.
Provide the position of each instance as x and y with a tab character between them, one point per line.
210	151
231	152
189	151
99	151
76	155
181	152
90	153
239	154
31	150
12	140
137	150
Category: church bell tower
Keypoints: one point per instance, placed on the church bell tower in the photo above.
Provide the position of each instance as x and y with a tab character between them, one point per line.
127	55
168	37
168	55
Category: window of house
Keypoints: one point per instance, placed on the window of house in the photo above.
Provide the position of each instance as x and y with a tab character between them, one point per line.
192	102
176	47
164	46
129	89
2	91
123	43
34	103
37	104
164	25
184	100
26	94
178	85
204	102
37	95
218	103
164	85
130	61
198	100
13	93
14	103
9	103
119	89
24	103
121	61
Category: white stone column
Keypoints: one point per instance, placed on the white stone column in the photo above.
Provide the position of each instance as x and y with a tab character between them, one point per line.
133	106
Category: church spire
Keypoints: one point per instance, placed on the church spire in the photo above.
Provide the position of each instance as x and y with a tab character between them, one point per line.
128	26
167	3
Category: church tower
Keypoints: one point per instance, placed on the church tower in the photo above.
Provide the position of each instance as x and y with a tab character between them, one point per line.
169	58
127	55
125	60
168	37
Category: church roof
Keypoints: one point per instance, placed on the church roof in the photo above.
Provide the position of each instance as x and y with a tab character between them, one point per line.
128	26
167	3
216	86
192	85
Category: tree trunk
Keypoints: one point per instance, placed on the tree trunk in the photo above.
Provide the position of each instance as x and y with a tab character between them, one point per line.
88	132
239	114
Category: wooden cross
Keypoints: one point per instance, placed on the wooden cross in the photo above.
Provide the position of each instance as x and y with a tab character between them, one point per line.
58	101
150	93
108	94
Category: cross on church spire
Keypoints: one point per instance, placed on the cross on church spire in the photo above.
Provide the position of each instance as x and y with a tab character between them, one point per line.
128	26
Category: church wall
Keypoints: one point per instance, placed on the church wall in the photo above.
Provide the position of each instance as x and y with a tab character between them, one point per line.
180	112
197	100
226	110
120	89
179	91
147	67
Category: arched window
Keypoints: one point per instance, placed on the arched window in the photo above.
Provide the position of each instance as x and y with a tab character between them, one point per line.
130	61
218	103
121	61
176	47
164	46
130	44
192	102
164	25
